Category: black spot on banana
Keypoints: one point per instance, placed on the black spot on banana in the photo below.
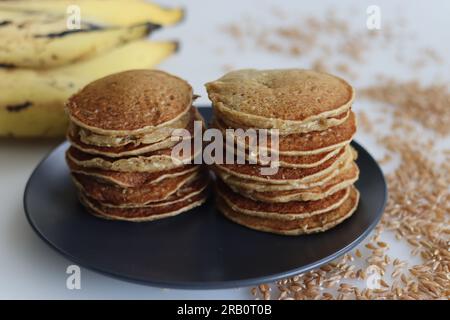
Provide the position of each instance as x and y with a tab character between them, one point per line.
19	107
5	23
92	27
6	66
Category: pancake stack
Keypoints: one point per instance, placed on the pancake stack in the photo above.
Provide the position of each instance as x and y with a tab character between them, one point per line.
312	190
121	146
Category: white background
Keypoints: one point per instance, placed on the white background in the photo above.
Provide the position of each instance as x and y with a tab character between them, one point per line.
30	269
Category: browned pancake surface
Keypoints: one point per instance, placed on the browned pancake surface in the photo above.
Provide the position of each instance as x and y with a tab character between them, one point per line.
315	139
288	159
306	159
84	156
310	223
131	100
293	207
143	212
283	172
289	94
77	143
129	179
348	174
107	193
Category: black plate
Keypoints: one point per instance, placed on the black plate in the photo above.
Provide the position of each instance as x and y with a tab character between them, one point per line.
200	249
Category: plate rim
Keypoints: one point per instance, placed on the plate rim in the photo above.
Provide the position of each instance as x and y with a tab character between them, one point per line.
211	285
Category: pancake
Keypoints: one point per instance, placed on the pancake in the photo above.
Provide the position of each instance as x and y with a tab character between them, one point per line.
289	100
304	161
130	102
307	161
261	186
316	223
122	151
315	125
148	162
284	175
157	135
130	179
184	193
282	211
132	149
132	197
187	199
144	214
308	143
345	178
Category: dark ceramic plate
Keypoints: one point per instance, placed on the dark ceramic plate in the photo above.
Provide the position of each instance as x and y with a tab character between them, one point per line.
196	250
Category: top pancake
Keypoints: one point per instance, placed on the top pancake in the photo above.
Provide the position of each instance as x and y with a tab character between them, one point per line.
291	95
134	101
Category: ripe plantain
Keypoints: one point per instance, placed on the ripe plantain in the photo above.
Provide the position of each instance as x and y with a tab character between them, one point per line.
32	103
109	12
40	40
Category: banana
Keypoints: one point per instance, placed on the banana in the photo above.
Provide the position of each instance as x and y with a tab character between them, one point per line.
32	102
110	12
38	47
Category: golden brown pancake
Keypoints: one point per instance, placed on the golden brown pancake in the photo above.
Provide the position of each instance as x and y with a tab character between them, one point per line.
307	161
289	99
303	161
282	211
148	162
225	122
133	197
130	179
282	129
309	143
159	134
315	223
188	198
130	102
283	175
131	149
345	178
262	186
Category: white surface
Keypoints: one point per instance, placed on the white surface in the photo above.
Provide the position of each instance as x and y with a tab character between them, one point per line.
30	269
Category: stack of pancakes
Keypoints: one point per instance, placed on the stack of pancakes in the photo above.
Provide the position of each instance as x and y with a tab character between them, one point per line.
312	190
121	146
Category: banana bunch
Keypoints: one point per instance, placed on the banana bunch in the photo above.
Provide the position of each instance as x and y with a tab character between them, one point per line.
43	61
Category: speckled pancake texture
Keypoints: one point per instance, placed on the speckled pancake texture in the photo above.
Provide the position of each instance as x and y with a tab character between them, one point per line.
283	211
130	101
284	174
344	178
311	142
290	94
133	149
159	133
129	179
188	198
291	100
132	197
316	223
